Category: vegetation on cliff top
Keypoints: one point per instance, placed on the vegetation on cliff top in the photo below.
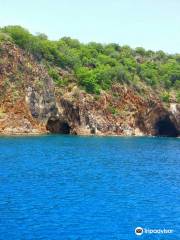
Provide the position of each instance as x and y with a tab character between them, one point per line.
96	67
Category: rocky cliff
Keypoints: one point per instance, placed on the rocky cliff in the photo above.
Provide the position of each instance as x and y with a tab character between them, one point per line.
30	103
27	97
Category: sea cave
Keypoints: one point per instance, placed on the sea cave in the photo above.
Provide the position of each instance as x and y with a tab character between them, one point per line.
58	126
166	127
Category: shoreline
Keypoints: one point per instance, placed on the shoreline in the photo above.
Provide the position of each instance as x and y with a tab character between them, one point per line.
78	135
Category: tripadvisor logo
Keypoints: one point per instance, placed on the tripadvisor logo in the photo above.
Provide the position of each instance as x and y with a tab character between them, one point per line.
139	231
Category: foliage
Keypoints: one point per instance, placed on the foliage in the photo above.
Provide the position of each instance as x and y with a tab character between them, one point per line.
165	97
4	37
97	66
2	113
88	80
56	77
113	110
178	96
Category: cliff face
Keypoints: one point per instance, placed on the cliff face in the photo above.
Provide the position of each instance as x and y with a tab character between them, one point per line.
158	121
30	104
125	113
26	93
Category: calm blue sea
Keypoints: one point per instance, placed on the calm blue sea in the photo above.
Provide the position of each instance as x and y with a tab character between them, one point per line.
88	188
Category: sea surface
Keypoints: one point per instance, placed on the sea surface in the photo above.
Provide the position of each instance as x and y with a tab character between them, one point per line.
87	188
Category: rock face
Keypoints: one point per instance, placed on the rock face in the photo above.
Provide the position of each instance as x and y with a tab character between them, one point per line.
158	121
84	115
42	103
27	97
175	110
30	104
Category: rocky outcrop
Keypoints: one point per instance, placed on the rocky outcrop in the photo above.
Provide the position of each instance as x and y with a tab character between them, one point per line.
158	121
41	102
175	110
131	115
30	104
27	97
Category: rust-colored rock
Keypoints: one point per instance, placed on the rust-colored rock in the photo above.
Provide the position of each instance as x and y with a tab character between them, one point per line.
30	104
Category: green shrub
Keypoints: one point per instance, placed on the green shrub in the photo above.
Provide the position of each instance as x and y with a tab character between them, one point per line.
56	77
97	66
21	36
87	79
113	110
178	97
165	97
2	113
5	37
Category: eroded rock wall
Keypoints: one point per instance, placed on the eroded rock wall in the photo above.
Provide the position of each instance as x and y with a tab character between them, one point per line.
27	97
30	104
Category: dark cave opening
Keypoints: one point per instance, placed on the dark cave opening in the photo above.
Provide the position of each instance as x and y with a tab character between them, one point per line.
58	126
165	127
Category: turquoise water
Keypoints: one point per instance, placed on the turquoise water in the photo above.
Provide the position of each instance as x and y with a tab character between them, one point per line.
70	187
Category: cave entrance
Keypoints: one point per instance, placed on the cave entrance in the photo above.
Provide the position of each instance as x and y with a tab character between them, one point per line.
165	127
58	126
